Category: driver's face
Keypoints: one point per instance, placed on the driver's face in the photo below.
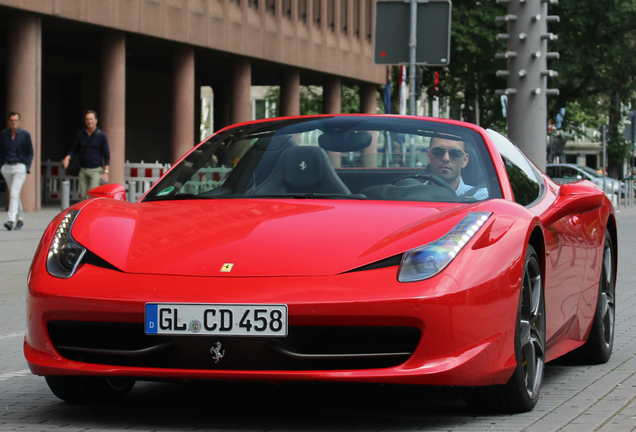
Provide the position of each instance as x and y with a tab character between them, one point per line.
443	165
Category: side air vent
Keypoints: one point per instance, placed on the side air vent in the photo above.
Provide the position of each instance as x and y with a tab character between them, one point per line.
387	262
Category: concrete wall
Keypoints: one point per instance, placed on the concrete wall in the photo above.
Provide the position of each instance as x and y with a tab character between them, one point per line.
233	27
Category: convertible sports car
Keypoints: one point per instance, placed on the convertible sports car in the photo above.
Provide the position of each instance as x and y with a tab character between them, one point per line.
358	248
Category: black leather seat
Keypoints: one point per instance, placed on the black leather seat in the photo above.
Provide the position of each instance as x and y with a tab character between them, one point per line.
302	170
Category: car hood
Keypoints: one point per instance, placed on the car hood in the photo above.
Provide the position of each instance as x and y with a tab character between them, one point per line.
257	237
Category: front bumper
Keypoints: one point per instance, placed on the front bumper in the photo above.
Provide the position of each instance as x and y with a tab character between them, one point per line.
443	331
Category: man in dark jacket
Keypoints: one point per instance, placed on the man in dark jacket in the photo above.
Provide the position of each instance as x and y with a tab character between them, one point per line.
16	155
91	145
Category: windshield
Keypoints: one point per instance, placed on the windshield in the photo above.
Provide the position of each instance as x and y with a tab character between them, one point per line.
336	157
590	171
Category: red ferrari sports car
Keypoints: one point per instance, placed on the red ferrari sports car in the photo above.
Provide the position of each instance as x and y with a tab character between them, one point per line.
358	248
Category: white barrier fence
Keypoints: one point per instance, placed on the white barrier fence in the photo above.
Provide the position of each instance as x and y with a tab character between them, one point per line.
142	175
209	178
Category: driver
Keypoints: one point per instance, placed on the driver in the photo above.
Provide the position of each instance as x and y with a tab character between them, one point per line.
446	158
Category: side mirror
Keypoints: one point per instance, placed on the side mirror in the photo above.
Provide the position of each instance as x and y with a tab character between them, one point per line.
114	191
574	198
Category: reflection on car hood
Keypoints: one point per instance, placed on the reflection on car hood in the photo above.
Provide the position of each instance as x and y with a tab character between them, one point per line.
259	237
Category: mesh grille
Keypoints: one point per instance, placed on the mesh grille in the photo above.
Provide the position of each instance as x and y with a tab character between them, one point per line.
305	347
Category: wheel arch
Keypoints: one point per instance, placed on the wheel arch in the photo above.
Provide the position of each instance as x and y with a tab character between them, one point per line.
537	241
612	228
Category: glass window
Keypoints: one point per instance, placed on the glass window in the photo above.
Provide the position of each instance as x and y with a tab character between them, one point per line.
302	11
344	15
331	14
526	182
287	8
341	157
368	13
356	17
553	172
317	12
570	173
270	6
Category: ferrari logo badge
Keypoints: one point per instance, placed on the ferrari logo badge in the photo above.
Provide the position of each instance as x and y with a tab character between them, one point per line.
216	352
303	165
227	267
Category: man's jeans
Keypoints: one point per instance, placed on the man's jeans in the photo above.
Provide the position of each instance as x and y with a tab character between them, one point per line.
15	175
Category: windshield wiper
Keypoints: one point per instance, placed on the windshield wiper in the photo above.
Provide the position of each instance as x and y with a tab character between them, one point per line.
174	197
311	195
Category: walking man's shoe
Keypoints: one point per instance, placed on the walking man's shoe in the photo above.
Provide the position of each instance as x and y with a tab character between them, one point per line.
8	225
19	225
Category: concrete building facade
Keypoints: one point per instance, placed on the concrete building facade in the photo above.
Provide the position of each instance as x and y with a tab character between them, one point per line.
141	64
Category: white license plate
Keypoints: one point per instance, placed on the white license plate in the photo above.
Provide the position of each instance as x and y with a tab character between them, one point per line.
216	319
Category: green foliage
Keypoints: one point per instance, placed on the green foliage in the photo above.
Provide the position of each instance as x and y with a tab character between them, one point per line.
597	65
470	78
311	99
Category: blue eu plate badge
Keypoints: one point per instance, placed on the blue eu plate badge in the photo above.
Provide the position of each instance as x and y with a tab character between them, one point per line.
151	318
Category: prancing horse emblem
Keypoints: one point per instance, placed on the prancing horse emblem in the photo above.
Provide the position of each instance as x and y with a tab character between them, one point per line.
216	352
303	165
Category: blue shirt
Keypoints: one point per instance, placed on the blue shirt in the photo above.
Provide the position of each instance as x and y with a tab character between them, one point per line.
96	152
19	149
462	188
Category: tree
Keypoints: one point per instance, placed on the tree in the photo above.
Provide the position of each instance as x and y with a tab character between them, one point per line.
597	64
470	78
311	99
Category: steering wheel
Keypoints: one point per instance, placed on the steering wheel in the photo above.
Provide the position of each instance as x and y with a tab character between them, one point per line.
426	177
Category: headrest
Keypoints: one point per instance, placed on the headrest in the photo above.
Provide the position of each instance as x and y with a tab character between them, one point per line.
303	167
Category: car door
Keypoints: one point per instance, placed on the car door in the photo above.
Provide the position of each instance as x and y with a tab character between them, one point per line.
566	252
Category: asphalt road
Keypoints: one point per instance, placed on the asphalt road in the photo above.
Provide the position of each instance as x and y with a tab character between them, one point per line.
573	398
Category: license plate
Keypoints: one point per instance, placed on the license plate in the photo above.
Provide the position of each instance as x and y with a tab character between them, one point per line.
216	319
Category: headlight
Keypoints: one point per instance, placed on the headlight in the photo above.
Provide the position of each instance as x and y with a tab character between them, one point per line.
65	254
427	261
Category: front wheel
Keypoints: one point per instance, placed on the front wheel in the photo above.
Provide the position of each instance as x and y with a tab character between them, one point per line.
82	389
521	392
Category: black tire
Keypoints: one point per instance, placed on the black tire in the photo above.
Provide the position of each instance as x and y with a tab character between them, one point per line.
81	389
521	392
598	348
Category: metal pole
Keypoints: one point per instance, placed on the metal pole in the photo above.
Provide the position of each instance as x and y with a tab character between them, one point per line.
412	75
65	195
413	53
132	191
631	181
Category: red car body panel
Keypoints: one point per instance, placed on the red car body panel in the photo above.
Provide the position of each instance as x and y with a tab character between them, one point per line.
172	252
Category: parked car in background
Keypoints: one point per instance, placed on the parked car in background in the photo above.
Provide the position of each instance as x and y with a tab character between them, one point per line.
568	173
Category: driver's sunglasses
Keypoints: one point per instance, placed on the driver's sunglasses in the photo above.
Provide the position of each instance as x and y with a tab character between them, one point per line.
453	153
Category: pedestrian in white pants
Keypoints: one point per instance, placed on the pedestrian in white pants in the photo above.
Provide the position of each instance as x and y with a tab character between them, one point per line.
16	155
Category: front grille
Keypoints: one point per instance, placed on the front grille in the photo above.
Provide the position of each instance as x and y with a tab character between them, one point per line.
304	348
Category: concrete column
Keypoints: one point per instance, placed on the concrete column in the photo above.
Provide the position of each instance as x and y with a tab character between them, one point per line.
24	92
221	106
332	95
183	100
112	115
290	92
240	85
332	104
368	98
368	105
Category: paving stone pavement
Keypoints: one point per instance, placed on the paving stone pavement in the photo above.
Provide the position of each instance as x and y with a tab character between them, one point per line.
573	398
